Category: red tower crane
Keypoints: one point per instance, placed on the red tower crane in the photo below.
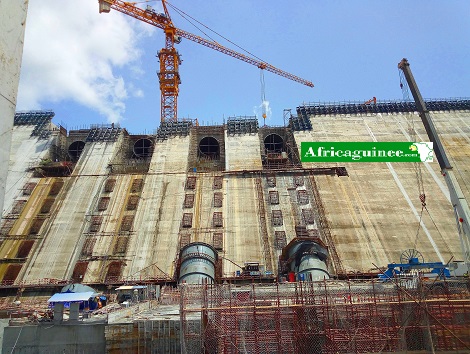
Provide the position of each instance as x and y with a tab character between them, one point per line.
168	75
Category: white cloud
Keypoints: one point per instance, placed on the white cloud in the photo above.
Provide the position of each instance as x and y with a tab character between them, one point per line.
74	53
263	108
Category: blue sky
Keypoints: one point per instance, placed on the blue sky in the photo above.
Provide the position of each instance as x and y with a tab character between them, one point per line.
95	68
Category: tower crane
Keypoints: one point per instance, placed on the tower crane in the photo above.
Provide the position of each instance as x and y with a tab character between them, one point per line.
457	197
169	58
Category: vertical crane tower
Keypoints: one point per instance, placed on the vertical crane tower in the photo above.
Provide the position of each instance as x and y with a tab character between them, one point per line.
169	58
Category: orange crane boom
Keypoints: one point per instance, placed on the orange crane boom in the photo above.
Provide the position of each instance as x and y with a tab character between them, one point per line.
169	58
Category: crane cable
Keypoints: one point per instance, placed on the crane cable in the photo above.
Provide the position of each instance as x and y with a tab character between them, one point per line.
263	96
185	16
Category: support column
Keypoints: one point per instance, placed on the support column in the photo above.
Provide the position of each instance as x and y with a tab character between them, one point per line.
12	27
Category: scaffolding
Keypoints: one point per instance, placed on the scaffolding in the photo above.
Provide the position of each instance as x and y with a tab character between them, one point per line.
39	119
325	317
171	129
242	125
319	109
103	132
300	123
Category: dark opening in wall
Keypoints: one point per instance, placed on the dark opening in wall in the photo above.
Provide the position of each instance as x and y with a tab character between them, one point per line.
114	272
273	143
87	249
75	149
11	273
79	272
25	247
121	245
209	148
143	148
36	226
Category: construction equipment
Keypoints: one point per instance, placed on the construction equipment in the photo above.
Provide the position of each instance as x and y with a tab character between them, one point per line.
372	100
411	259
457	198
170	59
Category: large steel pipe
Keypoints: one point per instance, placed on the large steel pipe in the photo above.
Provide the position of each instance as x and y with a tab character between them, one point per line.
198	261
308	261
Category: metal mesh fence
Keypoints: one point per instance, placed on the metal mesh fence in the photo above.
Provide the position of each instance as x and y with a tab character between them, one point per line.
326	317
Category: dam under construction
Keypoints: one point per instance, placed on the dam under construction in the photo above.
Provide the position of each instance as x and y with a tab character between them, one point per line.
219	239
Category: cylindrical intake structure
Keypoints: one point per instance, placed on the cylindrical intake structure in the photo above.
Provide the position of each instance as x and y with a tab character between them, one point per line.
143	147
308	260
197	265
76	148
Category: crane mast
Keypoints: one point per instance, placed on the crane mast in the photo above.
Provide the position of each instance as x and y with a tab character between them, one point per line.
456	195
169	58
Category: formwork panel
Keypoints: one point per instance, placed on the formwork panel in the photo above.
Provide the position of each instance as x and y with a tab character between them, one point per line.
28	188
280	239
120	247
36	226
56	187
298	180
308	216
24	249
302	197
271	181
7	225
276	218
187	221
11	274
188	201
218	199
273	197
126	223
87	249
136	186
18	206
79	271
218	182
103	203
190	182
132	202
114	272
109	185
218	241
95	223
47	205
217	220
